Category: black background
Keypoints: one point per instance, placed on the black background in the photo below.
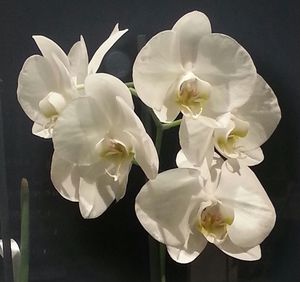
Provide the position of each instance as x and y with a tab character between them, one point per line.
65	247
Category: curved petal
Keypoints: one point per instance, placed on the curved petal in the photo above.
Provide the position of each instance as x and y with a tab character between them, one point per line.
65	178
96	174
78	129
103	49
166	207
248	254
49	47
228	67
254	214
195	246
251	157
41	131
189	28
196	141
146	155
101	85
35	81
78	58
156	68
262	112
95	196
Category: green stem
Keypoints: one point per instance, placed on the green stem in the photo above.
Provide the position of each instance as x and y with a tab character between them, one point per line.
162	257
133	91
24	267
129	84
172	124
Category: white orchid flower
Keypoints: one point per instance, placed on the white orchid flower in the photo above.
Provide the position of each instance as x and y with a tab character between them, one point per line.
184	208
48	83
192	70
95	140
241	132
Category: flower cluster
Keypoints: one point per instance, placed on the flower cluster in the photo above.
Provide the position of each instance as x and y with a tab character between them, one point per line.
228	111
90	117
227	108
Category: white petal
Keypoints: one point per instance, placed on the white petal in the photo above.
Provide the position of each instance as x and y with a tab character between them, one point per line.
228	67
196	141
101	85
254	214
65	81
49	47
182	161
97	174
248	254
35	81
143	147
189	28
65	178
78	58
195	246
157	68
41	131
78	129
95	196
104	48
262	112
251	157
168	205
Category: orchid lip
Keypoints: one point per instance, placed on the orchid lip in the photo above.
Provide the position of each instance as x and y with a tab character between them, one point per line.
116	152
214	220
228	141
192	95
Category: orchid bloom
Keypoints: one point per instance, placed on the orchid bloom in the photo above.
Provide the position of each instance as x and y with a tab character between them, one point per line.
186	208
48	83
189	69
241	133
96	139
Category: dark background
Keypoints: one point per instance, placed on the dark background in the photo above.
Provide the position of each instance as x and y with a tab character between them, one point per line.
114	247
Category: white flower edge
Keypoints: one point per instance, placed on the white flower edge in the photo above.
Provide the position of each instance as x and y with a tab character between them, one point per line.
168	206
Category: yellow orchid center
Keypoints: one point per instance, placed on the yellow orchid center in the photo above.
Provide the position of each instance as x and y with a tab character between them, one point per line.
192	95
116	153
214	220
228	139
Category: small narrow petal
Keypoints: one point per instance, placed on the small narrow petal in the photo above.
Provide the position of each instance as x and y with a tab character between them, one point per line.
254	214
103	49
78	58
49	48
65	178
248	254
165	207
189	28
